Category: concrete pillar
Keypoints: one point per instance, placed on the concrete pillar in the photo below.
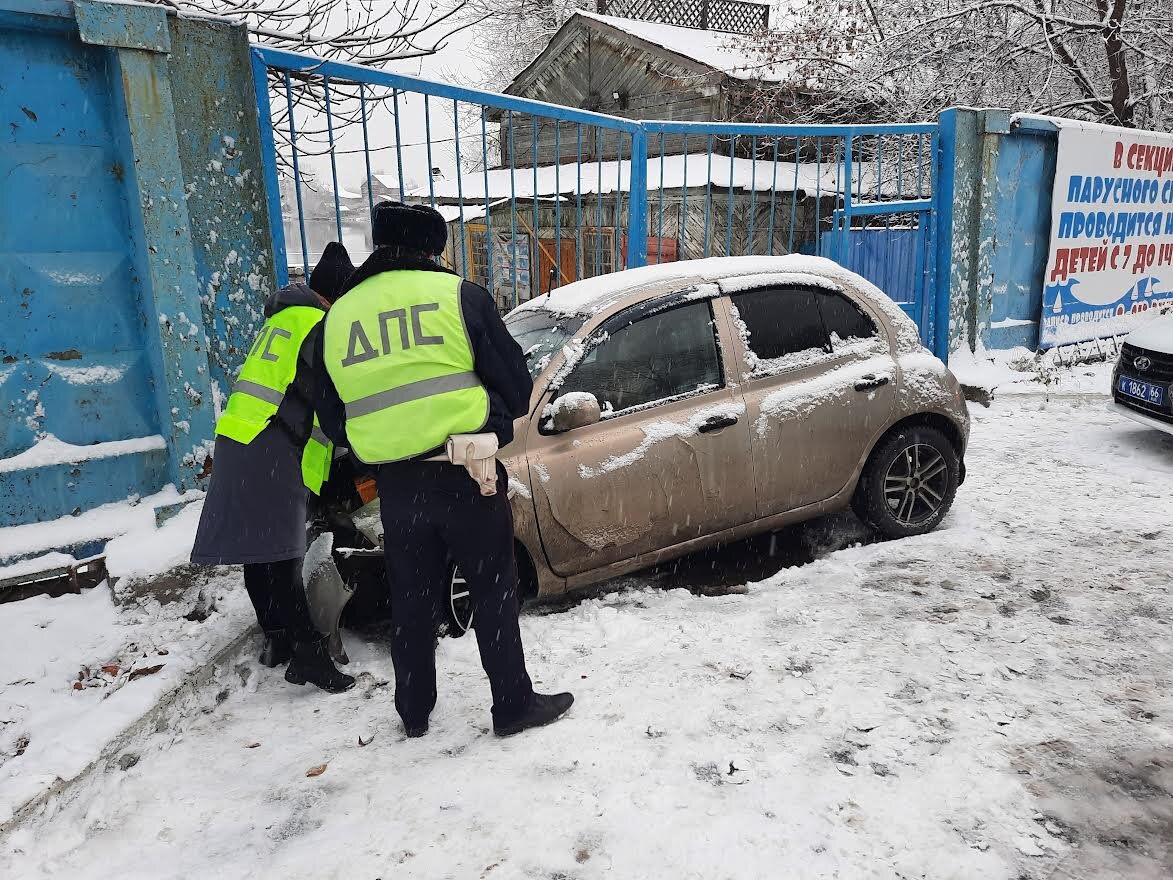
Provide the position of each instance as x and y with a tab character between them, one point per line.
968	185
140	38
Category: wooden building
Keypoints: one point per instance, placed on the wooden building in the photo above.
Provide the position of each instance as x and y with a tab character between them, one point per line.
556	210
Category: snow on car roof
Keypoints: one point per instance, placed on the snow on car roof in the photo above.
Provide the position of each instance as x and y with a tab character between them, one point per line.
592	295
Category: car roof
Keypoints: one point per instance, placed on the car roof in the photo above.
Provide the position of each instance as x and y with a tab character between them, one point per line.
592	296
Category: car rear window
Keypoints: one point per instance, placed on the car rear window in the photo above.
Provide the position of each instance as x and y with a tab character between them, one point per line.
780	325
843	319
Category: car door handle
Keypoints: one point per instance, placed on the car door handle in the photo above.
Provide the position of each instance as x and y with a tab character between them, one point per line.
716	423
870	383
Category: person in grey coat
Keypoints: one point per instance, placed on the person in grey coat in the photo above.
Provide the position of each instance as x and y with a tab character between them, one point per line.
255	510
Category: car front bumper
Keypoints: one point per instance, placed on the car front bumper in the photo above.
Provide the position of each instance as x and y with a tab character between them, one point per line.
1142	418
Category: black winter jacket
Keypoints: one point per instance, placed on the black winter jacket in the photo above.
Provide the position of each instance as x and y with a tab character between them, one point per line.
497	359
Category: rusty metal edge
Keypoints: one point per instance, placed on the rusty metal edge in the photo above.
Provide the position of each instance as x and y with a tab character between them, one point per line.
146	726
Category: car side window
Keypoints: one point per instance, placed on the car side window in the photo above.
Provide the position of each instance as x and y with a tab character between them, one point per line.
656	357
843	319
781	327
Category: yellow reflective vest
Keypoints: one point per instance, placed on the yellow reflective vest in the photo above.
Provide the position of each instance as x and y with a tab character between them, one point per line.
266	375
399	355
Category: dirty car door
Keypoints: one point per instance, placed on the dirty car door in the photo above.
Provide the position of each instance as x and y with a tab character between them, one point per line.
668	462
819	385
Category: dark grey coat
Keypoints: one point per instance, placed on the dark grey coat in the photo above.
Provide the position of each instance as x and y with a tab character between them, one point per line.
255	510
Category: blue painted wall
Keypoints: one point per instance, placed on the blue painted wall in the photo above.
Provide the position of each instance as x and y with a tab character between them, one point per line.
75	359
135	252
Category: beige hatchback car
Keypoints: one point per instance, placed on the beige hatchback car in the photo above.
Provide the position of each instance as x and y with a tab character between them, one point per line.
682	406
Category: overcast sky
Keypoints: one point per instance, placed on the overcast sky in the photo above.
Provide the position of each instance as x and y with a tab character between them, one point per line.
455	64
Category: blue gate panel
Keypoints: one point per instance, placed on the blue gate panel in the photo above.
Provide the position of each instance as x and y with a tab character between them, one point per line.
885	257
65	252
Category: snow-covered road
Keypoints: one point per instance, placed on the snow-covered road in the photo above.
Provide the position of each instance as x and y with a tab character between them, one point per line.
990	701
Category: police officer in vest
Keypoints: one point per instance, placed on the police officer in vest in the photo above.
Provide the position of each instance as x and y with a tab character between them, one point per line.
417	356
271	448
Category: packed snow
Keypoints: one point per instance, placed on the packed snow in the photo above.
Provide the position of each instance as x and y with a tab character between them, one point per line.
988	701
79	670
98	524
1022	371
49	450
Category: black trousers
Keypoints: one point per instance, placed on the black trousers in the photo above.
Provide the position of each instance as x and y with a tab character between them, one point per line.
434	512
278	597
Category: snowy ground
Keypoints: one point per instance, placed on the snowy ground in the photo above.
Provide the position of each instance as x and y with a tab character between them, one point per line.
990	701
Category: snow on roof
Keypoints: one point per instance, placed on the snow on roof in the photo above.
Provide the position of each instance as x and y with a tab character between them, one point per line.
737	55
696	169
452	213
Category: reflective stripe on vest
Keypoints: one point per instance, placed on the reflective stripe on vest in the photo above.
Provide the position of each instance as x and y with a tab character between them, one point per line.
399	355
266	373
316	459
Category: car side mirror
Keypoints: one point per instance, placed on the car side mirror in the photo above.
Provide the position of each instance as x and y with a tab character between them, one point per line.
574	410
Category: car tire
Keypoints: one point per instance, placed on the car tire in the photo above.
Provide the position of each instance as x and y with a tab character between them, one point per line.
458	611
908	483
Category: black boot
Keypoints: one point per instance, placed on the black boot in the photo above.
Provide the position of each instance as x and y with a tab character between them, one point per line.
311	662
277	650
543	709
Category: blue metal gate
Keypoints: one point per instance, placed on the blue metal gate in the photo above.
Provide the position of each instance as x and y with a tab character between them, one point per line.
538	195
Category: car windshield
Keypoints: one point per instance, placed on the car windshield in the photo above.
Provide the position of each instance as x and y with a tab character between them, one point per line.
541	334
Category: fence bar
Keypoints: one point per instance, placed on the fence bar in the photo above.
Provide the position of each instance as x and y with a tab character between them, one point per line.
794	196
598	201
900	169
774	197
616	244
399	145
920	163
681	254
488	204
428	141
283	59
333	160
818	195
305	251
366	149
637	202
558	199
260	73
513	207
533	270
736	129
845	236
459	189
660	221
732	170
753	190
708	192
906	206
578	257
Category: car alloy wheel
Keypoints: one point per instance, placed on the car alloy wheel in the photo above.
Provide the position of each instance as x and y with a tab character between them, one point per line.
916	484
460	608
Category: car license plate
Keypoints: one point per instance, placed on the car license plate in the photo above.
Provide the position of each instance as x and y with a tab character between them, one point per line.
1146	391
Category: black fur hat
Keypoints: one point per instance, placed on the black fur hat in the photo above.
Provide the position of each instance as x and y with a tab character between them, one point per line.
409	228
331	272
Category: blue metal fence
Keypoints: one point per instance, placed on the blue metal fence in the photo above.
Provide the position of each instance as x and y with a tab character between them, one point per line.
538	195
